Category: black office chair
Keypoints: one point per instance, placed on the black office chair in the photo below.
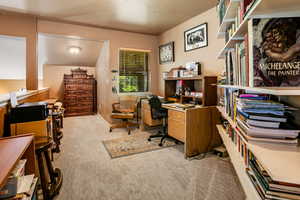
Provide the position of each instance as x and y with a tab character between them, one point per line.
157	113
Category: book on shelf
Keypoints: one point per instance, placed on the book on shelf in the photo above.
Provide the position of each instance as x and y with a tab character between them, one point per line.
237	65
263	117
19	186
264	184
258	119
221	9
274	50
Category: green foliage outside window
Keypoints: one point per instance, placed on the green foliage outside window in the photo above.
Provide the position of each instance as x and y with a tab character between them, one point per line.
133	71
128	83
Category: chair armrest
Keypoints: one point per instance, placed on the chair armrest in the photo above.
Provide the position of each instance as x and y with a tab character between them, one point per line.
115	107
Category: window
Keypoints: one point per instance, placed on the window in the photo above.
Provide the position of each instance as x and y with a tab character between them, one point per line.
133	71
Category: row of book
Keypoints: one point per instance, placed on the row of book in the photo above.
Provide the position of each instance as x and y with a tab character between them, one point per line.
239	142
237	64
19	186
266	187
262	56
243	8
259	119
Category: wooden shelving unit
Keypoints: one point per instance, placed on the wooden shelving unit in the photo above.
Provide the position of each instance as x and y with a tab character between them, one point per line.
202	84
278	91
13	149
260	9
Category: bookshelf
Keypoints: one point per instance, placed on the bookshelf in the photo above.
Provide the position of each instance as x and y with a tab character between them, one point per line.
228	17
266	152
260	9
281	162
13	149
184	78
278	91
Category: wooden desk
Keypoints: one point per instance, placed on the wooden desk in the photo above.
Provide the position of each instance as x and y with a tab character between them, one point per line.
12	149
194	127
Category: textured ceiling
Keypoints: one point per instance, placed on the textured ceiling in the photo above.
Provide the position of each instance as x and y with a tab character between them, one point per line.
143	16
55	50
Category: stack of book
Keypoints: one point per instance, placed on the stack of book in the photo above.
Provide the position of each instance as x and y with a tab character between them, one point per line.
268	188
262	120
19	186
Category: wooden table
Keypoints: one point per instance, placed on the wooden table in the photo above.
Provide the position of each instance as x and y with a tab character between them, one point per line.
12	149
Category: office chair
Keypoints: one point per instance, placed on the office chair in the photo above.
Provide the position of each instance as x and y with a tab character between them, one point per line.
157	113
126	111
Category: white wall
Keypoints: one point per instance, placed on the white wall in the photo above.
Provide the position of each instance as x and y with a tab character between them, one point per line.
103	82
12	58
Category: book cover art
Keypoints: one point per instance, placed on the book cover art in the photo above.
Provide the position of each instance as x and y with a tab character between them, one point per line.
276	52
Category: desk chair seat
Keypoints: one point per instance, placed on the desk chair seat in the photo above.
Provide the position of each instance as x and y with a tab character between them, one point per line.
125	111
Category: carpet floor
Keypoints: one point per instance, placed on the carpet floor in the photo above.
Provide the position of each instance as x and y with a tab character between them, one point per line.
91	174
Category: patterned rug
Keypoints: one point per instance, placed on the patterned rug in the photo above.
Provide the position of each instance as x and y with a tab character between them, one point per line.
133	144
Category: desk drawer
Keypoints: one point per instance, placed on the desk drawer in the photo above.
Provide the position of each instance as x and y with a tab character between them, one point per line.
176	115
176	125
176	130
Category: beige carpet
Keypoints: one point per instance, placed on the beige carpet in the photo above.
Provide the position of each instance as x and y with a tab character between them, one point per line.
133	144
91	174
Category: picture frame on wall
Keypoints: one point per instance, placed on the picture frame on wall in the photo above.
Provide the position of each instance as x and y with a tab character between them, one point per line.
167	53
196	37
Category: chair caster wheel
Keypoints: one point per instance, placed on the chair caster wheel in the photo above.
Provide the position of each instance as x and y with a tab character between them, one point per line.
160	144
110	130
149	139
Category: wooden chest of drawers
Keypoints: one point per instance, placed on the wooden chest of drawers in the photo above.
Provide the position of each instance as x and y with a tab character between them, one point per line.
80	96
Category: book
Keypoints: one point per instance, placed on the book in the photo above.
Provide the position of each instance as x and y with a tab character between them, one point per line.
246	58
266	182
275	51
250	139
262	111
263	117
267	133
264	124
9	189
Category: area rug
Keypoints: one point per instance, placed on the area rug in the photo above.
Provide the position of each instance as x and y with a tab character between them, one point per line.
133	144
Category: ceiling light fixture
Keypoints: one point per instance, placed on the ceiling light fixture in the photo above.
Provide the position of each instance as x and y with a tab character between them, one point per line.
74	50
